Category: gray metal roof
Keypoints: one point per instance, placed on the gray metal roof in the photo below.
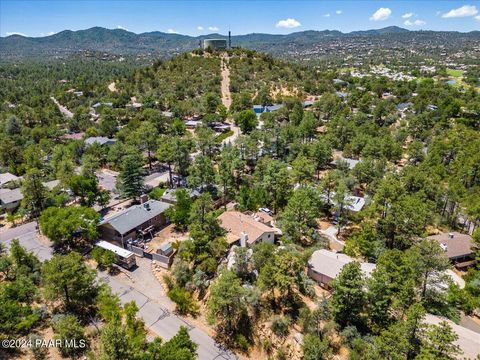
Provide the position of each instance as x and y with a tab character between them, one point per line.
136	215
170	194
11	196
329	263
100	140
350	162
7	177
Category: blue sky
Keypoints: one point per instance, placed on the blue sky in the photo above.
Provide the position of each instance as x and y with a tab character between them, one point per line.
40	18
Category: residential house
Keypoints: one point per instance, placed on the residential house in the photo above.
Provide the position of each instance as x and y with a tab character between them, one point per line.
218	126
73	136
192	124
259	109
6	178
404	106
458	247
341	94
10	199
340	160
245	229
170	197
308	103
131	222
468	340
101	140
167	114
353	203
325	265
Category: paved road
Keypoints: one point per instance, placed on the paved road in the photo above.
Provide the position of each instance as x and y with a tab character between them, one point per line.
28	236
157	317
163	322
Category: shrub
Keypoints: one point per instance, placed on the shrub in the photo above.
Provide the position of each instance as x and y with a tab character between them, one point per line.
182	298
280	325
168	281
156	193
267	346
281	354
242	343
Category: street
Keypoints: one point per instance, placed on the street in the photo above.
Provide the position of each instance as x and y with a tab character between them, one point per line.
152	302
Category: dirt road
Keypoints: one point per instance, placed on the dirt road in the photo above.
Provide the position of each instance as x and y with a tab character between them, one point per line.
67	113
227	98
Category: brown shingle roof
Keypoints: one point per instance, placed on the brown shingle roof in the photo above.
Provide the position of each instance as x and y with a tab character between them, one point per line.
235	223
457	244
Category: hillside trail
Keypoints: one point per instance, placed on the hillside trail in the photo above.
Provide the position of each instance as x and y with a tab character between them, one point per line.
63	109
227	98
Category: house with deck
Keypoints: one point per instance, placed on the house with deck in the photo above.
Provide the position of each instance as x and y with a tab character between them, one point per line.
134	221
459	248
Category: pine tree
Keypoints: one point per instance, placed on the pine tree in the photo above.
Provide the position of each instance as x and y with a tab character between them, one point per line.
131	176
348	296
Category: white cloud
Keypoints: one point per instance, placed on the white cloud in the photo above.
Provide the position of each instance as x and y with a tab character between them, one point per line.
47	34
122	28
477	17
408	15
8	33
213	28
327	15
288	23
381	14
171	31
200	28
417	22
464	11
338	12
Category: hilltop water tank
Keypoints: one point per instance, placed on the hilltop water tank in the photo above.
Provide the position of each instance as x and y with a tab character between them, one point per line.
215	44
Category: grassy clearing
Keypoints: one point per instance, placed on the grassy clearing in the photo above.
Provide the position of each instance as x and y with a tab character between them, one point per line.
223	136
455	73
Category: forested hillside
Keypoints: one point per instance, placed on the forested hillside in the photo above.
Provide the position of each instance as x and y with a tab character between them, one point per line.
329	162
308	44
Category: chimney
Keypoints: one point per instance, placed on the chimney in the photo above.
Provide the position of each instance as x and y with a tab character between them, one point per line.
243	239
143	198
450	235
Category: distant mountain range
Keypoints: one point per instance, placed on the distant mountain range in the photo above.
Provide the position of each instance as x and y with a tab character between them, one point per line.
122	42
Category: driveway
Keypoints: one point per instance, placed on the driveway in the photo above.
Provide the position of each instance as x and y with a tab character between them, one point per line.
143	288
